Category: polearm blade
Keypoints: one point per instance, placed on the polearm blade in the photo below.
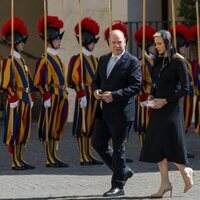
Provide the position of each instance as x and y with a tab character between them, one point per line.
81	60
110	14
174	24
45	54
45	30
198	32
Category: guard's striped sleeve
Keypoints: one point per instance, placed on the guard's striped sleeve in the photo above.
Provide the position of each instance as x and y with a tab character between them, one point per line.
42	78
75	76
7	79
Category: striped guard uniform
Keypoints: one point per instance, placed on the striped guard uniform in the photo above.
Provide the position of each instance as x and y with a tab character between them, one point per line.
74	80
18	81
142	113
189	98
196	75
50	81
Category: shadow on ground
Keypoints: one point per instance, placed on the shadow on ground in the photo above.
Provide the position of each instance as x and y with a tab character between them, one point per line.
68	151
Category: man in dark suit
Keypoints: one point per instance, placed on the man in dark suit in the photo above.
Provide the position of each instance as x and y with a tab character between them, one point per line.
117	81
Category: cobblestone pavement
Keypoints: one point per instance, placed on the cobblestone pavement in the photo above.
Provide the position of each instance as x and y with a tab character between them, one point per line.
87	182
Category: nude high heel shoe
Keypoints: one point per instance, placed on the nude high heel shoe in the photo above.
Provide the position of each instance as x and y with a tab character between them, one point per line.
162	191
188	178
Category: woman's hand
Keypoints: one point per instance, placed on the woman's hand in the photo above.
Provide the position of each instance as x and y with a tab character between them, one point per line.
150	97
159	103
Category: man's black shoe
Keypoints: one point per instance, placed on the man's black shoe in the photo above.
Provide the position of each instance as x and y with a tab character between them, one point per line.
96	162
189	155
129	160
18	168
52	165
28	166
113	192
128	175
61	164
86	163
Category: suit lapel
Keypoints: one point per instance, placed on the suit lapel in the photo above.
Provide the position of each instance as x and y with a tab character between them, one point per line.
118	64
105	65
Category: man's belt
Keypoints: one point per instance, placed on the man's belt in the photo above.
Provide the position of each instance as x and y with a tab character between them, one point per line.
88	84
21	89
62	87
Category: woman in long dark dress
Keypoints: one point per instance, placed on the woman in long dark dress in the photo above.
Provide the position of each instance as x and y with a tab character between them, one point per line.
164	139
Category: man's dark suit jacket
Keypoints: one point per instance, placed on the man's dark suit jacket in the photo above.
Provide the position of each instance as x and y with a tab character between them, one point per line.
123	82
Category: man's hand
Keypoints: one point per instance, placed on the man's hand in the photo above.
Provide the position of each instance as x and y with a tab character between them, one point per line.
98	94
150	97
107	97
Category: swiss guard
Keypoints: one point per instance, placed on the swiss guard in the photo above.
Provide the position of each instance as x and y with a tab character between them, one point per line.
16	79
50	81
142	112
80	79
196	75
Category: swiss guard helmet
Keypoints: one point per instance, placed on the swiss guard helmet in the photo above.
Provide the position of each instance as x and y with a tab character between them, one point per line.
20	31
118	25
149	39
193	31
182	35
54	24
89	29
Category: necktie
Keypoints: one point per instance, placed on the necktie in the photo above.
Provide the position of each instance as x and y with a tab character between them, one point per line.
111	64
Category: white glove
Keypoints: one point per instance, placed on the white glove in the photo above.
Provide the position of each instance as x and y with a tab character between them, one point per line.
83	102
47	103
32	103
151	103
14	104
143	103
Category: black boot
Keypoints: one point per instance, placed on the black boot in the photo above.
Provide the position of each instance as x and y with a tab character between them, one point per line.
49	160
82	145
24	163
86	163
16	164
57	160
90	154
